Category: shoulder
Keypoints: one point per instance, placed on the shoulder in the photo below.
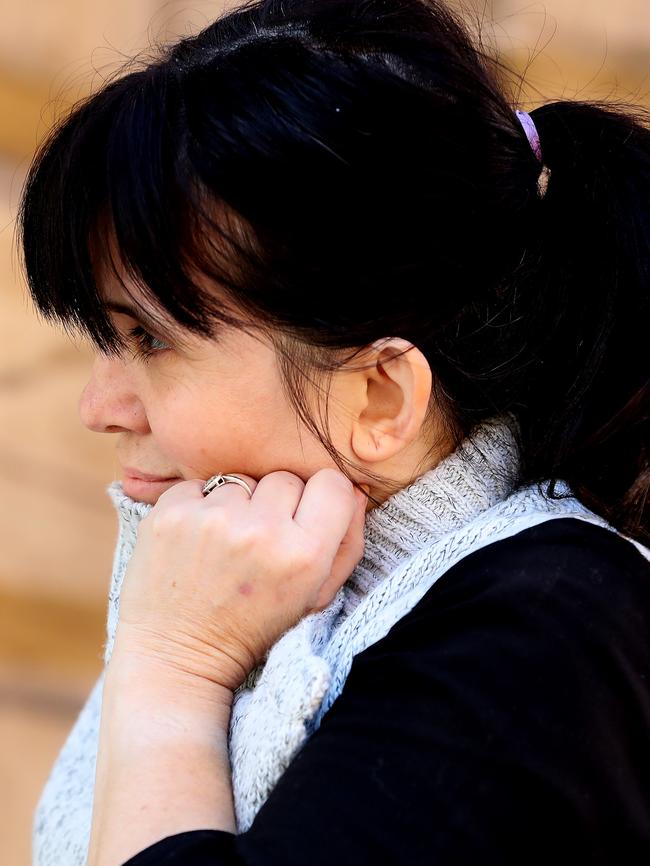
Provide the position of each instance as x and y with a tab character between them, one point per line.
512	703
561	548
562	570
559	611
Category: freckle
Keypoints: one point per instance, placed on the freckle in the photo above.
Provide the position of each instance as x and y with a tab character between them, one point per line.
245	588
173	583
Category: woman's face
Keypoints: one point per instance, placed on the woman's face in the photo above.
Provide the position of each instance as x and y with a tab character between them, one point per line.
192	410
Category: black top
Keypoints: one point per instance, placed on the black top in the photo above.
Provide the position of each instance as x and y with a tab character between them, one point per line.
505	720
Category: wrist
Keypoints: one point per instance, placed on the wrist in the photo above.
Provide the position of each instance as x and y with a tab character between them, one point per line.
191	659
162	699
162	757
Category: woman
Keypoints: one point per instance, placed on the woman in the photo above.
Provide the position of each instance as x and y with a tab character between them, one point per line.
319	254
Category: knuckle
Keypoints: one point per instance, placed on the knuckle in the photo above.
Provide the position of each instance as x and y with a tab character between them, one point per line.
335	477
250	535
211	521
288	478
308	554
168	520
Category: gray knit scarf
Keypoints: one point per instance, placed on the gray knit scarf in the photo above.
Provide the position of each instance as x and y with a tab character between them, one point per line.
470	499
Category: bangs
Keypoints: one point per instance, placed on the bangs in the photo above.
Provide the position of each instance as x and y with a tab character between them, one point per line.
254	185
110	188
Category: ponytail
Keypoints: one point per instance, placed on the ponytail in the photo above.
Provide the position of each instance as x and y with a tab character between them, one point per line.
591	265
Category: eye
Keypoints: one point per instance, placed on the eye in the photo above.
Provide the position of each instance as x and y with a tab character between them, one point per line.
146	344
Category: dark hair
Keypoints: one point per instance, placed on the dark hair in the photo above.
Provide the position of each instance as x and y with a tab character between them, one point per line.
346	170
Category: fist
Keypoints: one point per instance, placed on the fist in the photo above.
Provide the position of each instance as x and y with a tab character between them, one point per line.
214	581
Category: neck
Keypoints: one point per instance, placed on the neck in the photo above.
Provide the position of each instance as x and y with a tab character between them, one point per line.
409	465
478	474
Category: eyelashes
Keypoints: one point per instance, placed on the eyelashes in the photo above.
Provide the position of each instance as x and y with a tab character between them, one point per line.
146	344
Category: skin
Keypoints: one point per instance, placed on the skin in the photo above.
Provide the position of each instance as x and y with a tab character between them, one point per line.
196	407
214	581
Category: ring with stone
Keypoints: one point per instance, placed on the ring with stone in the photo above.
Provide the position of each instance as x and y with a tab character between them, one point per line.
219	480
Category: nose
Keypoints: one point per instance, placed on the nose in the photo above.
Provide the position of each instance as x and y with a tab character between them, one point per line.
110	403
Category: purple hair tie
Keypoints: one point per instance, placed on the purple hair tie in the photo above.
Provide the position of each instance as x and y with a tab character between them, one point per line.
533	137
531	132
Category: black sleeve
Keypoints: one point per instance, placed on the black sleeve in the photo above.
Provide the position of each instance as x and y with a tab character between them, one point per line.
505	720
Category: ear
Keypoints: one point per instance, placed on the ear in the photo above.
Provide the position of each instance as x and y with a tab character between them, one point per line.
393	398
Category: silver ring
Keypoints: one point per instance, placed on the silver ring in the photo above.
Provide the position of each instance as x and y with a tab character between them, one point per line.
219	480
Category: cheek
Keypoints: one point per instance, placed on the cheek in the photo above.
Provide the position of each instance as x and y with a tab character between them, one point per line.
240	422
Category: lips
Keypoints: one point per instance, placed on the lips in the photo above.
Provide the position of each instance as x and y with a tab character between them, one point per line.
144	486
130	472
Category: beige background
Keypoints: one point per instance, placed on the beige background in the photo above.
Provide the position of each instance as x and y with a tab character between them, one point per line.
57	527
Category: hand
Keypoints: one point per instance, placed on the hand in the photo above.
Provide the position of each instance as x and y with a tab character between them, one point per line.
214	581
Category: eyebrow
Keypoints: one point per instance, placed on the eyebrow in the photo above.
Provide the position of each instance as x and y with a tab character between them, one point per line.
135	313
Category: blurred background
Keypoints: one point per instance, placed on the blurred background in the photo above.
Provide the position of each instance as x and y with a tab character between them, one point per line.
57	527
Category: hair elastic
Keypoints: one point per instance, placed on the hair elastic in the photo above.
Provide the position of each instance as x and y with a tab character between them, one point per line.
531	132
533	137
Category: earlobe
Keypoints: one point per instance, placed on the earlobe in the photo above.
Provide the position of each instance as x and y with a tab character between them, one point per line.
397	391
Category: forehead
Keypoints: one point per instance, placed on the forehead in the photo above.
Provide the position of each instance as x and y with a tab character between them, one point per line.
119	291
128	299
176	298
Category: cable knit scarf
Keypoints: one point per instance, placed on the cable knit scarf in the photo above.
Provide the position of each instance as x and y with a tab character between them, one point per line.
468	500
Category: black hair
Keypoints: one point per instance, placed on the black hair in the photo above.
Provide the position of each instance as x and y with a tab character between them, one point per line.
345	170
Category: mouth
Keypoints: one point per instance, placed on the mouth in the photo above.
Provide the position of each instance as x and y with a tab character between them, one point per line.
144	486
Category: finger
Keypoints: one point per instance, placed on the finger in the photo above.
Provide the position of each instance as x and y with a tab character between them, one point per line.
326	508
278	493
348	555
182	492
351	548
230	491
